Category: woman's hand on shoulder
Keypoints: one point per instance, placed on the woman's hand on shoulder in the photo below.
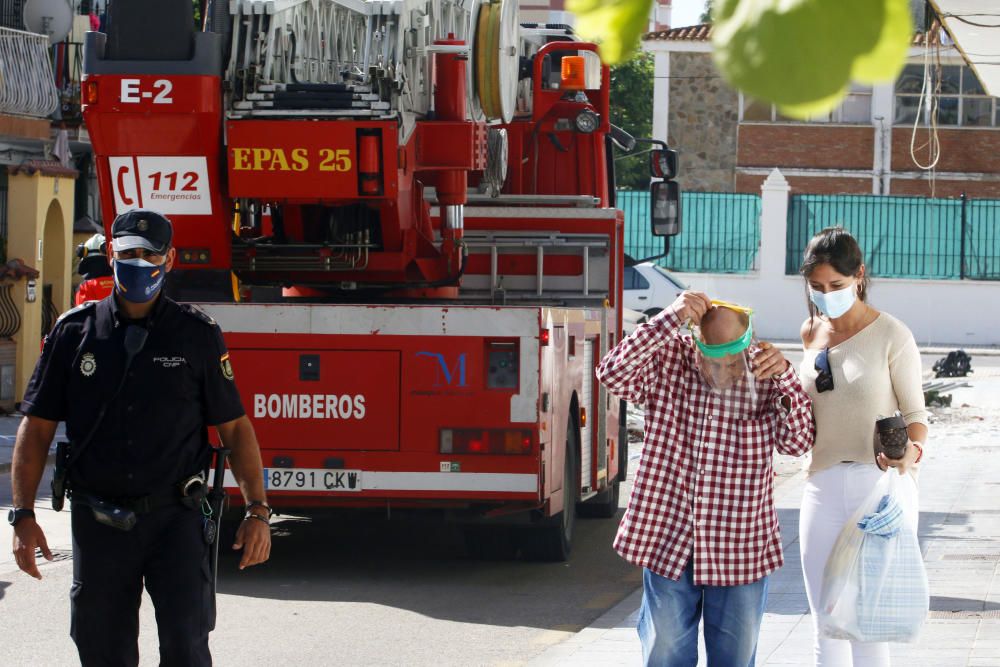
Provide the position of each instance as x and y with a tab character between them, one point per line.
769	361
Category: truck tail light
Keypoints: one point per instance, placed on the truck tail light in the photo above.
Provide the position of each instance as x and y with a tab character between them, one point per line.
486	441
543	337
90	92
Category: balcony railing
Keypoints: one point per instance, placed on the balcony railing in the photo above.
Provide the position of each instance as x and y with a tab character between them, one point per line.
27	84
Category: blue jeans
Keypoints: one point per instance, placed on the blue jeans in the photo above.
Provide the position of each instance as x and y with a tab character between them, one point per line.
671	611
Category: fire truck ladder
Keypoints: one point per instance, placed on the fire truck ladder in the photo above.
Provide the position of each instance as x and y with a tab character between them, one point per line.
356	58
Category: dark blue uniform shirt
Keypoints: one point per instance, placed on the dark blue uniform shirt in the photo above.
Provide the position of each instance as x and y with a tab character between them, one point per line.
154	433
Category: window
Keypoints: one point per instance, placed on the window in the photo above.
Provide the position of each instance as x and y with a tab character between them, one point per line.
961	100
633	280
856	108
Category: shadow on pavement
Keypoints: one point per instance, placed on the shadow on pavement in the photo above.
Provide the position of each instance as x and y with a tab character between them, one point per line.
3	585
422	566
939	603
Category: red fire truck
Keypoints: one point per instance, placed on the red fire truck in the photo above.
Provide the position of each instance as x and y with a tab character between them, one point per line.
401	214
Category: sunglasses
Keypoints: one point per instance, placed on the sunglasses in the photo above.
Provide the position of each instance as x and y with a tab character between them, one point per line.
824	379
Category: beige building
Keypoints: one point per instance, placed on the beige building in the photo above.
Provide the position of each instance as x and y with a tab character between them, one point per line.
37	193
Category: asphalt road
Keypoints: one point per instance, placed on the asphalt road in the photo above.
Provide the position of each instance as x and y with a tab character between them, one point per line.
370	592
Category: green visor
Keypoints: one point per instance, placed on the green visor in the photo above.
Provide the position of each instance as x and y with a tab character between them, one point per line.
725	349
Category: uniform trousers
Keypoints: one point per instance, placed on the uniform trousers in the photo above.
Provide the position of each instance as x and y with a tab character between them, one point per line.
167	552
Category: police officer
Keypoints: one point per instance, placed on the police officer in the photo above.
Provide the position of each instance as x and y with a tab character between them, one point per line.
146	452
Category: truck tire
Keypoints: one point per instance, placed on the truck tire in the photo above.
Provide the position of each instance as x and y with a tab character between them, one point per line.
553	539
622	440
602	506
605	504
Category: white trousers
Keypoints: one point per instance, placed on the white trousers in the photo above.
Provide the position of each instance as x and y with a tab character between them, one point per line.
831	496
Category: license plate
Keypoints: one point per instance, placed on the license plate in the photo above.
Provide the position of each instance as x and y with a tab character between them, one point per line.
312	479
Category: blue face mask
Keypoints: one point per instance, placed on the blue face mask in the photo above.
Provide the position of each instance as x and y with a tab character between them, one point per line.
836	303
137	280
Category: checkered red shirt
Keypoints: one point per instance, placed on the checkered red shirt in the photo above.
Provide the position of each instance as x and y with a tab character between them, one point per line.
704	487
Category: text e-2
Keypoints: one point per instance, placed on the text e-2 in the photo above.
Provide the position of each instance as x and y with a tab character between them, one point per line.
132	92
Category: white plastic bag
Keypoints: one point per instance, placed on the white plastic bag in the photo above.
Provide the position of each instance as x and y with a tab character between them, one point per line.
875	585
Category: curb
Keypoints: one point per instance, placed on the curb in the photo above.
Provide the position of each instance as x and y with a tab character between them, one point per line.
611	619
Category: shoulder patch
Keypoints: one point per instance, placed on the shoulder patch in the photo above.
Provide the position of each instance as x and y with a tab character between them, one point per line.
197	313
83	307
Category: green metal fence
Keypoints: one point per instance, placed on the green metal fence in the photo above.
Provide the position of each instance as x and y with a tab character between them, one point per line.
904	237
720	232
982	240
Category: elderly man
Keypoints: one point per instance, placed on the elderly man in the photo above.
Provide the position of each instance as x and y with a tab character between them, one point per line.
701	520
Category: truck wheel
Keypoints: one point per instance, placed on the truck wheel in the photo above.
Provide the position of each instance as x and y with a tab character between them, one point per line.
553	540
605	504
622	440
602	506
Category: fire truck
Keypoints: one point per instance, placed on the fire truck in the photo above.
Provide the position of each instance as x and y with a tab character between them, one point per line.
401	213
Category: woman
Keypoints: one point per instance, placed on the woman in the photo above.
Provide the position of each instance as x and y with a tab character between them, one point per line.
859	365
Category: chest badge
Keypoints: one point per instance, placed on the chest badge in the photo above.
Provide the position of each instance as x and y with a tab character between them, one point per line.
88	364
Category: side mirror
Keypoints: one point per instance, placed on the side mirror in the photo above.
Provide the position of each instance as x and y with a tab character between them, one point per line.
665	205
663	163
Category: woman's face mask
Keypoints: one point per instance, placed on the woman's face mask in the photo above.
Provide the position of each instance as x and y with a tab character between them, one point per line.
836	303
137	280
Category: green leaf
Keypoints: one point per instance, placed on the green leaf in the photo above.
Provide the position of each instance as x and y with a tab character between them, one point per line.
886	60
802	54
806	110
615	24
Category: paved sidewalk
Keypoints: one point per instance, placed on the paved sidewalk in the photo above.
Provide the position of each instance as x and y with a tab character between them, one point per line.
8	430
959	535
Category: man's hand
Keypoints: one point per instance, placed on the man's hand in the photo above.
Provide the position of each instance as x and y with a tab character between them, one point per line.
27	536
691	306
901	465
769	362
254	537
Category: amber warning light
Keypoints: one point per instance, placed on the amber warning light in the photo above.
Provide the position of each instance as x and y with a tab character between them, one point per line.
573	73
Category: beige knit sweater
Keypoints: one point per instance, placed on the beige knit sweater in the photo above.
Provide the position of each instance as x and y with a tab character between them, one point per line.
875	372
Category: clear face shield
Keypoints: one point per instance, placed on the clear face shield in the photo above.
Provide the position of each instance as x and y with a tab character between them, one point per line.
723	340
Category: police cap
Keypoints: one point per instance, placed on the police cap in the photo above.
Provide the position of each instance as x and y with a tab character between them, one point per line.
141	228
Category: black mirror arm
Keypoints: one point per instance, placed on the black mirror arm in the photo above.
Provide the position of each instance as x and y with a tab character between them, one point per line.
666	251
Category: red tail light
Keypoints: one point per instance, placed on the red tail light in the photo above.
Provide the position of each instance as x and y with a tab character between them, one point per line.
485	441
90	92
544	337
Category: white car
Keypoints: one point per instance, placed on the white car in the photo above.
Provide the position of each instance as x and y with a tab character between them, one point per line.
630	320
649	288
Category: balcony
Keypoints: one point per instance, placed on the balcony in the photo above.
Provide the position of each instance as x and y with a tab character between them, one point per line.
27	83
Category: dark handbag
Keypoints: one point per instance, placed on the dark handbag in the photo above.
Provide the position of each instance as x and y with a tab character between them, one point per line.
891	437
